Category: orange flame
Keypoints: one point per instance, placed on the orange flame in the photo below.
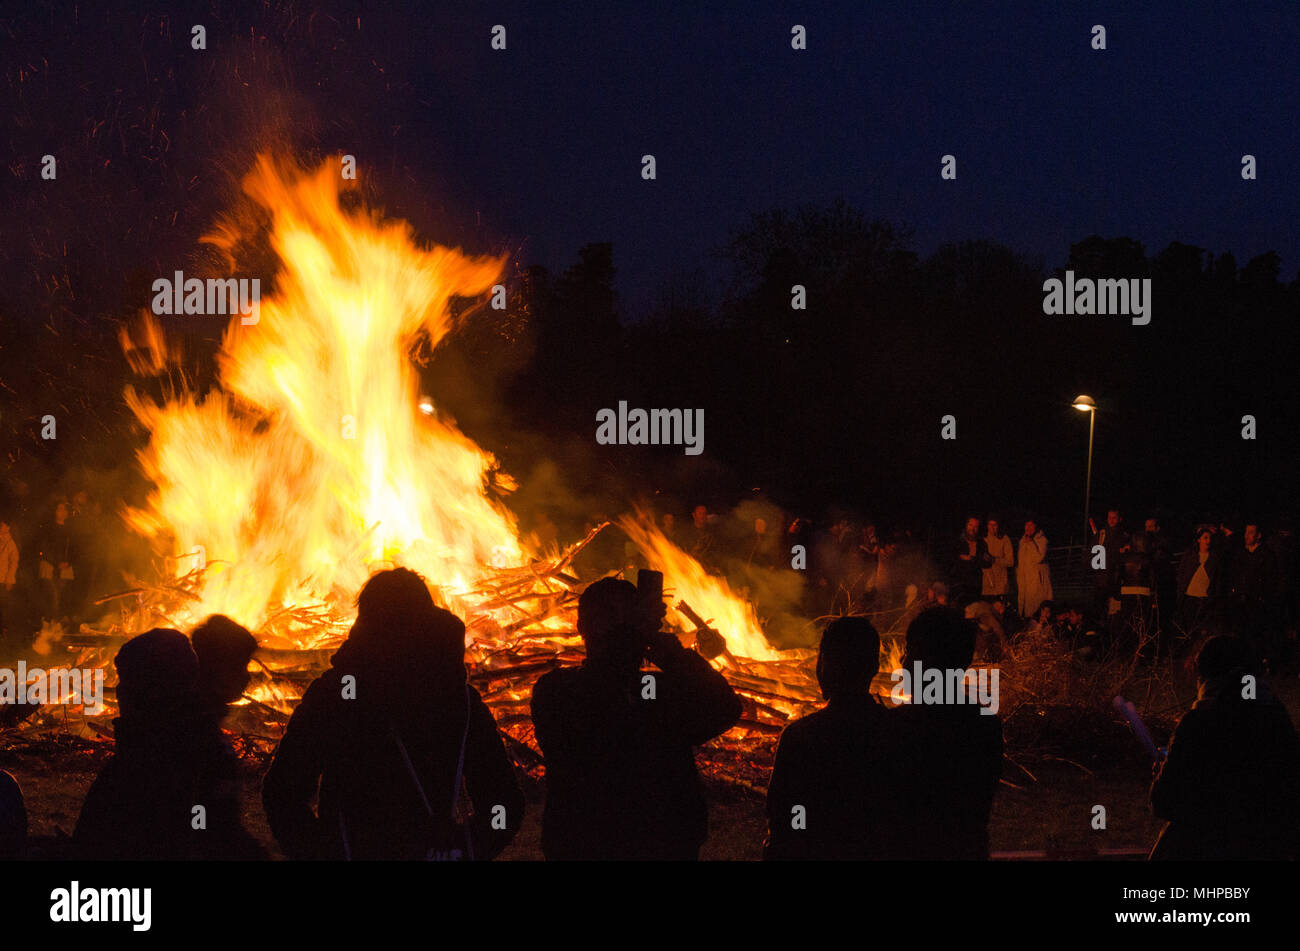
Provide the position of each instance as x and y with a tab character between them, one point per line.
310	466
708	595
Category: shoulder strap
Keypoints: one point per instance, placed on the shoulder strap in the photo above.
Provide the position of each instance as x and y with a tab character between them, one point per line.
343	831
460	763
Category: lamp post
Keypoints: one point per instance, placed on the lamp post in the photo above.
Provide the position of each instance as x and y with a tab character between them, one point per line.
1085	404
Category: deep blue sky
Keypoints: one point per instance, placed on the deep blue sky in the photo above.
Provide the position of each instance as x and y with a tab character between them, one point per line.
541	144
537	150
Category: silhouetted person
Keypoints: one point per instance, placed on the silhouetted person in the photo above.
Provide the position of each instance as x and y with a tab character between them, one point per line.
224	649
950	754
832	792
1255	586
165	763
387	733
1231	781
621	781
970	558
13	818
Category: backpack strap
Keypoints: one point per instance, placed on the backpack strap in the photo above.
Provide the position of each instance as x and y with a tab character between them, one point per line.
460	765
343	831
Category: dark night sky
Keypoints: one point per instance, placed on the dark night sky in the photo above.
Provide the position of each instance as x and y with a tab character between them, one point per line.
537	150
1054	141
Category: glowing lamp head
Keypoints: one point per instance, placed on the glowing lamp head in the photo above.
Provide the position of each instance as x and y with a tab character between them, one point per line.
1084	403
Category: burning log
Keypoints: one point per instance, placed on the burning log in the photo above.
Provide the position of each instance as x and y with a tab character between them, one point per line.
708	642
266	711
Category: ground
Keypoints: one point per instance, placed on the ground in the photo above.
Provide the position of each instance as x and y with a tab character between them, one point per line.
1053	812
1061	762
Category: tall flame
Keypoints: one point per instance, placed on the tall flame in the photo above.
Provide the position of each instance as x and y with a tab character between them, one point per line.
708	596
309	465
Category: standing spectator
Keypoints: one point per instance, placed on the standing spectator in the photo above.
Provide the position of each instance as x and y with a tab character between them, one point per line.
1200	585
889	579
865	557
1033	577
1115	540
57	557
762	546
699	536
621	779
995	576
833	557
1137	586
385	741
970	559
950	758
1254	589
8	571
668	525
1136	569
832	794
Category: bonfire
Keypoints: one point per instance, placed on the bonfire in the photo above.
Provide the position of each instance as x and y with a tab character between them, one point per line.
310	466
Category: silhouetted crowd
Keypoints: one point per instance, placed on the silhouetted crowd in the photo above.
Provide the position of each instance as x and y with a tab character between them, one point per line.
392	753
861	780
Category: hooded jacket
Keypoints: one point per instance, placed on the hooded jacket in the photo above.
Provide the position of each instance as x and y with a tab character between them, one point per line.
1230	783
393	693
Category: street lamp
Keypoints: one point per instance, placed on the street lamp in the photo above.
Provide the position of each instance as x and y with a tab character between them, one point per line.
1086	405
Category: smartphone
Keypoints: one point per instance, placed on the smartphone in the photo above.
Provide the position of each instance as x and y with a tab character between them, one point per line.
650	586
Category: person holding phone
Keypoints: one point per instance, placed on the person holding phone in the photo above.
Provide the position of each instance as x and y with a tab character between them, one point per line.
618	736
